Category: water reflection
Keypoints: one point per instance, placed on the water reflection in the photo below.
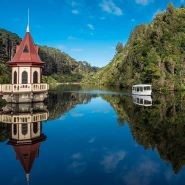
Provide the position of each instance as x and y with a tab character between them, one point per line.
160	127
142	100
59	103
21	125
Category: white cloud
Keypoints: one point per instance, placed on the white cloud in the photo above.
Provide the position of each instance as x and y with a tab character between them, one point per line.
111	161
77	156
71	38
75	11
90	26
147	168
142	2
92	140
110	7
75	7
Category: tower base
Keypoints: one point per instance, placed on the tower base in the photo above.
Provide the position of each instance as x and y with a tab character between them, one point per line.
25	97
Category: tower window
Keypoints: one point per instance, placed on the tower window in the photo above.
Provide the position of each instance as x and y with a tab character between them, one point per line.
15	77
35	77
14	129
24	77
24	129
26	50
35	127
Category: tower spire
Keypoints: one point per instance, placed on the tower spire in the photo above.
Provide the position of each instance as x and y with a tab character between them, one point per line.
28	178
28	25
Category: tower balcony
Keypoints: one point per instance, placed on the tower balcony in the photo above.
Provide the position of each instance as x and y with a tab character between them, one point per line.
23	88
23	118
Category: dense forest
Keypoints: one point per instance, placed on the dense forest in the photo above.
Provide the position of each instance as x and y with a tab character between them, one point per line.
59	66
154	53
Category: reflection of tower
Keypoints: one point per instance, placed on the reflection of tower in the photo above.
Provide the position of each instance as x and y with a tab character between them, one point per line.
25	125
26	154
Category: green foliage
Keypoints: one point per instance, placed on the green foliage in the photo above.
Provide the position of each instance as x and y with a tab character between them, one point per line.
170	8
62	67
49	80
119	47
5	74
58	65
154	53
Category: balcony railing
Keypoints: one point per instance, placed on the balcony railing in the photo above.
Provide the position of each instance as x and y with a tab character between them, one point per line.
23	118
18	88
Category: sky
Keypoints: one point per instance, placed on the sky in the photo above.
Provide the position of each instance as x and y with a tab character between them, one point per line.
87	30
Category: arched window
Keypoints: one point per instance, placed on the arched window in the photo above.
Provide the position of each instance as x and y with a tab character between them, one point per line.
24	77
15	77
35	77
14	129
35	128
24	129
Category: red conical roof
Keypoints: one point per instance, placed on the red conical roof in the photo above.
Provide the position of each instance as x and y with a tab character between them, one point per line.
27	154
26	52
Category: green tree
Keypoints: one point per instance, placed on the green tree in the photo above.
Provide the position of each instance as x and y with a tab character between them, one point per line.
119	47
170	8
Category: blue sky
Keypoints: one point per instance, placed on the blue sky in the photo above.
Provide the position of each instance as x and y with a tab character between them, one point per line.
85	29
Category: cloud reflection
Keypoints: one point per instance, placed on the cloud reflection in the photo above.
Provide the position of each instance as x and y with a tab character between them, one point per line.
111	160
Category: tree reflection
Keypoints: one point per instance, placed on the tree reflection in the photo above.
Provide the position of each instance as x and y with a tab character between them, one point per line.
59	103
161	126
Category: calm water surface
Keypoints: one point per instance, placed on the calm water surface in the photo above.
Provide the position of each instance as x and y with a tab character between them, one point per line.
95	137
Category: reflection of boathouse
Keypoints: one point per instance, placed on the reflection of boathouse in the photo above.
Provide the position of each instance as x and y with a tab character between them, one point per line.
145	101
25	130
26	74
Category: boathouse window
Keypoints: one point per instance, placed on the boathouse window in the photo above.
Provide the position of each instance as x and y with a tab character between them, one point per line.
24	129
35	127
26	50
35	77
14	129
15	77
141	89
147	88
24	77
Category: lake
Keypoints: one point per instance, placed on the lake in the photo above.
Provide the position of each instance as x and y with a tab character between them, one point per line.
85	136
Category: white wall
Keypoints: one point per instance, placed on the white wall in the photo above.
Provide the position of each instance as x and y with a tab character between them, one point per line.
28	70
30	134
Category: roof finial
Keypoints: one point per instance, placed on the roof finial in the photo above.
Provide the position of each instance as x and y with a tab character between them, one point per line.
28	178
28	26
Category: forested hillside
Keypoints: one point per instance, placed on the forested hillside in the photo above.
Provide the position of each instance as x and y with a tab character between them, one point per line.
58	65
154	53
